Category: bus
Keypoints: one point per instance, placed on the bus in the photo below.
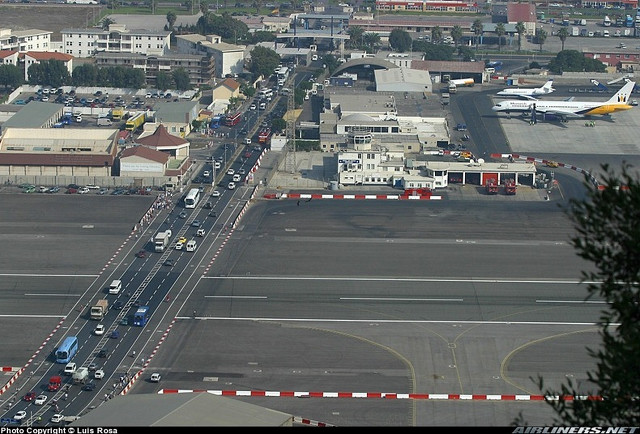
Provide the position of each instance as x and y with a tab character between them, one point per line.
67	350
282	75
141	316
216	122
192	198
233	120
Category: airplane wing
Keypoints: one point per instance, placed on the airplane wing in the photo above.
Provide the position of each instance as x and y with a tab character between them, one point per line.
561	113
528	97
570	98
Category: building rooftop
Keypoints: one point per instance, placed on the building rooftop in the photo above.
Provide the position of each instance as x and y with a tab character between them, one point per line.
177	112
35	114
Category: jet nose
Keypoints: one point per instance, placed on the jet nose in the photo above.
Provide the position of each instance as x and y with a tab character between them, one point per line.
496	107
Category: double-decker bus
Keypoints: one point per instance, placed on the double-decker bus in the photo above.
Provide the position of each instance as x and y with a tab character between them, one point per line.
192	198
141	316
67	349
264	135
233	120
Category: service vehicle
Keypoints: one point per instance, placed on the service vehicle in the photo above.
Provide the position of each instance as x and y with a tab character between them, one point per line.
115	286
104	122
99	310
81	375
161	240
155	377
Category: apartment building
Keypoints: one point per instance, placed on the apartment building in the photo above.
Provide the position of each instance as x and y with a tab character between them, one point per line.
118	39
25	40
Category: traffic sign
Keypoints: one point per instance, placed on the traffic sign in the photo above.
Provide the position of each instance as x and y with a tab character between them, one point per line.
8	420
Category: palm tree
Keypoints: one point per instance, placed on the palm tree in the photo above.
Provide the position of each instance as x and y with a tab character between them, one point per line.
372	40
563	33
520	29
436	34
355	36
477	28
106	22
500	31
456	34
171	18
541	34
204	7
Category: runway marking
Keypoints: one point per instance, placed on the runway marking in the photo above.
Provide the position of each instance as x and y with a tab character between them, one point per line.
47	275
235	296
394	321
573	301
401	279
35	294
400	299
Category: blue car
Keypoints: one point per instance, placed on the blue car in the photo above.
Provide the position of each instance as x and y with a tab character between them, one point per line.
115	334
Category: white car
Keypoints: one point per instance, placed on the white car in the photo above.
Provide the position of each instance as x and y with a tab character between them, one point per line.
206	174
179	246
57	418
217	164
99	330
40	400
20	415
155	378
231	185
230	171
99	374
215	193
83	190
237	177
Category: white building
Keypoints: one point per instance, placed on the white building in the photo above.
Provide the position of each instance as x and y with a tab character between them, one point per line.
228	58
118	39
25	40
32	57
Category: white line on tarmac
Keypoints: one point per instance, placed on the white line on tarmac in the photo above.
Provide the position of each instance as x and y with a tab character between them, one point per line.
573	301
401	299
398	279
47	275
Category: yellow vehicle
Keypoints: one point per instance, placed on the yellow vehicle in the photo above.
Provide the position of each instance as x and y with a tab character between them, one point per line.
552	164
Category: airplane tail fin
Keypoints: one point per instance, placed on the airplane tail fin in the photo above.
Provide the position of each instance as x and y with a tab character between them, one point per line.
622	96
599	85
548	87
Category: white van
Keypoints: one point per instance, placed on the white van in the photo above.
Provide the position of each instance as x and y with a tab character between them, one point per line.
191	246
115	287
70	368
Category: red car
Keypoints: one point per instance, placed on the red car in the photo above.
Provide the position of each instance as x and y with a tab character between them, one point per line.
30	396
141	254
247	154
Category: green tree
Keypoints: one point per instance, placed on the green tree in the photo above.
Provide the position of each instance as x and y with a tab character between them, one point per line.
181	79
456	34
262	36
225	25
356	36
51	72
520	29
248	91
263	61
607	235
500	32
189	5
204	7
171	18
434	51
331	61
257	4
400	40
371	41
541	37
11	76
106	22
278	125
563	33
163	80
436	34
477	28
574	61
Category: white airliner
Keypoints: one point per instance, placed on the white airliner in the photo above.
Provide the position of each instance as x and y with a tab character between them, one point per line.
531	92
570	109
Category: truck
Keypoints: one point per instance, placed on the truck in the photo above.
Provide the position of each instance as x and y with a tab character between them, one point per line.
191	246
575	31
104	122
161	240
81	375
117	113
510	187
452	87
55	383
99	310
491	186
